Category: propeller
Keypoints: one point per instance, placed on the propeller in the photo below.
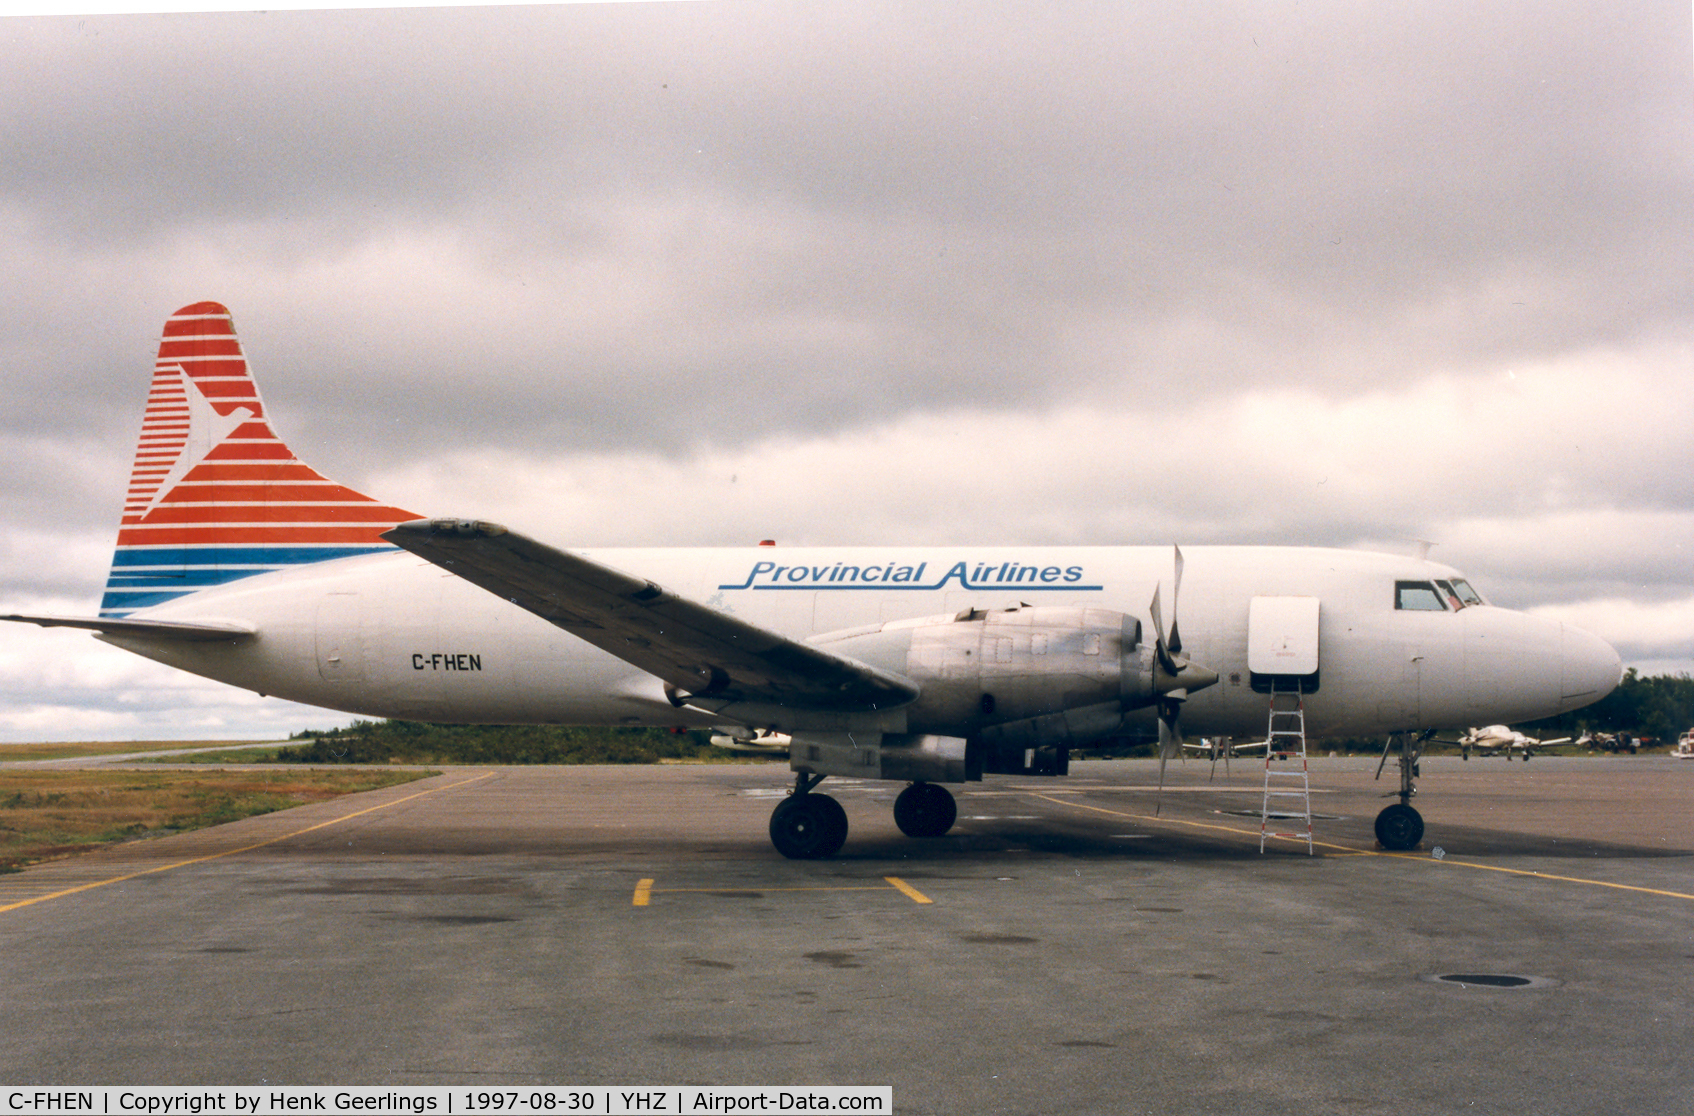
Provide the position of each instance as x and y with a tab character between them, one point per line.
1174	677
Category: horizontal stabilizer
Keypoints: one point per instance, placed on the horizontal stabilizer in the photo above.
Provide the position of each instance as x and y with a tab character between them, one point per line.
149	629
701	652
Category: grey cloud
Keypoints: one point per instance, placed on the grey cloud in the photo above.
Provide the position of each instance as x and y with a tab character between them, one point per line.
679	238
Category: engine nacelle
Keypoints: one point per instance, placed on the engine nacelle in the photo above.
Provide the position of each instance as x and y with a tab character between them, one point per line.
1024	684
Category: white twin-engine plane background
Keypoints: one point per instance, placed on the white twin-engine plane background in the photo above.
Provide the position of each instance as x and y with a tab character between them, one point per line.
927	665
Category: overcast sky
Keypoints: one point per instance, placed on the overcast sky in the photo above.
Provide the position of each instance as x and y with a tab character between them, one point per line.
696	273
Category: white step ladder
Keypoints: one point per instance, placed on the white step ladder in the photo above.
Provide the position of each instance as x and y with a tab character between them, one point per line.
1286	734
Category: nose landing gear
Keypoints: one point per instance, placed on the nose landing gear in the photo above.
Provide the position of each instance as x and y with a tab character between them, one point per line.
1399	828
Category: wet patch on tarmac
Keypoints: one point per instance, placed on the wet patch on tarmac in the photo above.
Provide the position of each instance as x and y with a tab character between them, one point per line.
460	920
401	885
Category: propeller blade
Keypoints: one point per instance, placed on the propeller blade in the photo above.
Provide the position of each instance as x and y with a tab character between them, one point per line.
1176	593
1161	651
1164	754
1170	738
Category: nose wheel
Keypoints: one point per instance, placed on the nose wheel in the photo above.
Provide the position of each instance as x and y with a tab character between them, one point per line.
1399	828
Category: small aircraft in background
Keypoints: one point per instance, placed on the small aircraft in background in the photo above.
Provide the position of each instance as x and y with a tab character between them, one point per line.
1223	747
1214	748
1613	742
754	743
1495	740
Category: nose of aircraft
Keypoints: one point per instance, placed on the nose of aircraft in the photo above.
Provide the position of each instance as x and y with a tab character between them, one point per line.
1589	668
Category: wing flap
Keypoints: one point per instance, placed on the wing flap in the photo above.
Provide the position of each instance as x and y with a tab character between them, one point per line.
699	651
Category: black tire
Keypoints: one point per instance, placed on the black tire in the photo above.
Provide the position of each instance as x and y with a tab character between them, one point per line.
925	810
835	817
809	827
1399	828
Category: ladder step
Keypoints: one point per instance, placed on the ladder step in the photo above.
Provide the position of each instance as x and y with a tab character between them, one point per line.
1285	738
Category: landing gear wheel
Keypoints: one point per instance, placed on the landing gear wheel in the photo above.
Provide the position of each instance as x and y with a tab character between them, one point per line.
809	827
925	810
1399	828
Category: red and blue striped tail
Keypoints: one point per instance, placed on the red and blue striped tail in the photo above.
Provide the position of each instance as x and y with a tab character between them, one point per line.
215	495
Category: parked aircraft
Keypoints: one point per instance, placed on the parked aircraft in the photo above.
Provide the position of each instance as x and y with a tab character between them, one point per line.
753	742
1223	747
927	665
1613	742
1496	740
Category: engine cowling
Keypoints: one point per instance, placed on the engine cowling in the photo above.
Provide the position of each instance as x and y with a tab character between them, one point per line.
1024	685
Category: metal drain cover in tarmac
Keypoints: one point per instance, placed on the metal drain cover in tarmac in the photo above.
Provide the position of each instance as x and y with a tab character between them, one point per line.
1491	980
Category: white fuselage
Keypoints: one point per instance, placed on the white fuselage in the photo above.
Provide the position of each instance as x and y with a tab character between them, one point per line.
391	635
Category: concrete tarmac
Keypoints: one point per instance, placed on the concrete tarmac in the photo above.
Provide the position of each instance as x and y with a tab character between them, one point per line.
1062	950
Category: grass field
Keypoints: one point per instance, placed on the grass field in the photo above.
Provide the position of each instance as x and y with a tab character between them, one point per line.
49	814
11	752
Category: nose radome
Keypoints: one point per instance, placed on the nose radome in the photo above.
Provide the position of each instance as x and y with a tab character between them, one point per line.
1589	668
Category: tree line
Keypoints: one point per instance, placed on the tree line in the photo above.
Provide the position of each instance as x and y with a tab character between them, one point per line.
1660	706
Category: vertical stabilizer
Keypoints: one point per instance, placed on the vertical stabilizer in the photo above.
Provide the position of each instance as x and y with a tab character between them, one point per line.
215	495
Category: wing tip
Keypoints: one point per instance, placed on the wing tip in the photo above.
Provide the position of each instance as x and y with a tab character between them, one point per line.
417	532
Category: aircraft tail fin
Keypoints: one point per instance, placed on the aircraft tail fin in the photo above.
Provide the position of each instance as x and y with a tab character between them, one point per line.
215	495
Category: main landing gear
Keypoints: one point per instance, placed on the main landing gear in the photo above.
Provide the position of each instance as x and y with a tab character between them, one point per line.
1399	828
925	810
808	826
811	826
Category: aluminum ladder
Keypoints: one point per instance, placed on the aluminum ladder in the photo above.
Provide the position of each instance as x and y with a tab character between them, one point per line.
1286	734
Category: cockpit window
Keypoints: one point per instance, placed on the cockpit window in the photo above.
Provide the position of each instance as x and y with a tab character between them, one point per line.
1450	595
1417	596
1466	593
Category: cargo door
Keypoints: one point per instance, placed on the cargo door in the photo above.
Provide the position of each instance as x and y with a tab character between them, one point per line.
1282	643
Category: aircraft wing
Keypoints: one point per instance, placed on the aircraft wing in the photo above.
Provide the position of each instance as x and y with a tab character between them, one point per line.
150	629
699	651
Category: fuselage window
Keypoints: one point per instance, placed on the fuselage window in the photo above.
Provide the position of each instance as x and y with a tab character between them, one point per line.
1466	593
1417	596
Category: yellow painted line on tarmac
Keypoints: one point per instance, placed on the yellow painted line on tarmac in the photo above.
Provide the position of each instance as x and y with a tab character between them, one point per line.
1450	862
1350	850
908	890
1253	833
244	848
644	890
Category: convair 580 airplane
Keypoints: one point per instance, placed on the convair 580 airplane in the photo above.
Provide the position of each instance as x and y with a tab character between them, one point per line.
925	665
